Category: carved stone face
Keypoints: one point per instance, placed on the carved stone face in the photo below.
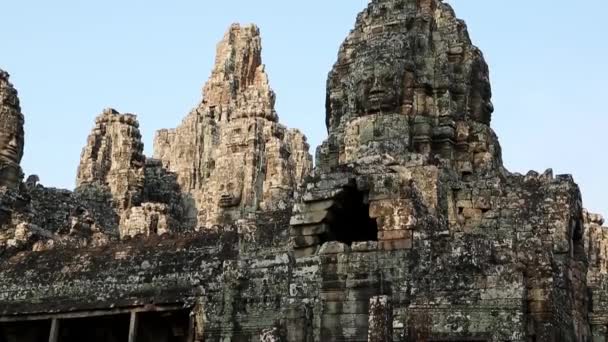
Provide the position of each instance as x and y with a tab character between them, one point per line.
481	105
11	134
480	96
231	192
377	87
11	147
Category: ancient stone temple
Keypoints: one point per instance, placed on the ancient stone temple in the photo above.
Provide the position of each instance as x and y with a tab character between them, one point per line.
409	228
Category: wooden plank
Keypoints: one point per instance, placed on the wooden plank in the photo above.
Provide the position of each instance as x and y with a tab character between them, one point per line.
54	334
92	313
133	327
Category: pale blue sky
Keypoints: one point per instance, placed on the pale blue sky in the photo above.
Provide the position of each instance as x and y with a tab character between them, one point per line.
70	59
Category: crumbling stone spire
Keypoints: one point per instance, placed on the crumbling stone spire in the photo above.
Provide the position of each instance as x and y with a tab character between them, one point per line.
145	197
11	134
238	86
113	157
230	153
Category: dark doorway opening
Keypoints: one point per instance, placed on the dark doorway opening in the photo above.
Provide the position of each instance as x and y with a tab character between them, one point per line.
170	326
28	331
349	219
95	329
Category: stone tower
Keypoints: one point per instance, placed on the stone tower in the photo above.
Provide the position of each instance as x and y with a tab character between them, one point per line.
412	164
410	85
145	197
113	157
230	153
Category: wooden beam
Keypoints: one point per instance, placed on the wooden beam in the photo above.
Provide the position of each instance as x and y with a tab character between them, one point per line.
54	334
133	327
92	313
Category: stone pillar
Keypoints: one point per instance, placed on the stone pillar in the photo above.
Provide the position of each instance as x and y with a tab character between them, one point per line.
380	319
54	334
298	324
422	131
444	135
133	327
199	320
599	333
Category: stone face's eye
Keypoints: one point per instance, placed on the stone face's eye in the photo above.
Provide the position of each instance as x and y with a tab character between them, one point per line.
387	77
362	82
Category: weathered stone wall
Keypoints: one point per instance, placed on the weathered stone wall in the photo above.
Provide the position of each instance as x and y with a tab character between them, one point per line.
46	218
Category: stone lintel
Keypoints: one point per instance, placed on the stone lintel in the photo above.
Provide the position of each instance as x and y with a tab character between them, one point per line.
390	245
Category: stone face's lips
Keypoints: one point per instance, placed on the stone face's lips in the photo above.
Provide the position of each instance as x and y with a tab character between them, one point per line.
10	154
377	96
380	99
227	201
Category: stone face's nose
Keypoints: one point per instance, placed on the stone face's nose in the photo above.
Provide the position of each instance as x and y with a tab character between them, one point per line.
490	107
376	83
13	142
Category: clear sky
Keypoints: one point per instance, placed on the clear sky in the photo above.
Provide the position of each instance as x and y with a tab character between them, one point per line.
69	59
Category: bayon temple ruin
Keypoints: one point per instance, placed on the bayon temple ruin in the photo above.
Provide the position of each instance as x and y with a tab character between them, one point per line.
407	228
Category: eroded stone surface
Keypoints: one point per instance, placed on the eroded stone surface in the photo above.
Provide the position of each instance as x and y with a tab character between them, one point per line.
145	196
230	154
380	319
410	85
149	218
113	157
42	218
